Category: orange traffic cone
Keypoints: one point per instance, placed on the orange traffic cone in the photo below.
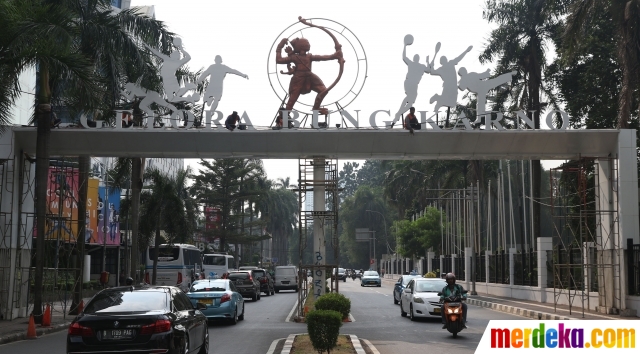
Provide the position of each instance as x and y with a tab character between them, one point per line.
80	307
31	330
46	317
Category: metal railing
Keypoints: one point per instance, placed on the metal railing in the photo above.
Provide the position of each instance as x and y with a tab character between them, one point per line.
499	268
525	267
481	267
460	267
435	266
447	264
633	267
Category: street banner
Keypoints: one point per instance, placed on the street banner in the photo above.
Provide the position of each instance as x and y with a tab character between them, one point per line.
91	229
528	336
109	216
62	204
213	218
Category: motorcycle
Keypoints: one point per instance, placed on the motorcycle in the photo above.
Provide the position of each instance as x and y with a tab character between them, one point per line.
452	308
353	276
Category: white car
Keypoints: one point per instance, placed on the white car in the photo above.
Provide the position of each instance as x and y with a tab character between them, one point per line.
420	298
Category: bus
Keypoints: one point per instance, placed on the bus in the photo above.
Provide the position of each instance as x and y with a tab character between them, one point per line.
215	265
178	265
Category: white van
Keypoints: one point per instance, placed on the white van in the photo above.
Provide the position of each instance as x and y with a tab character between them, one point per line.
178	265
286	278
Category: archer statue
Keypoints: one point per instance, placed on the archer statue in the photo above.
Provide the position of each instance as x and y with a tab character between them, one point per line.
304	81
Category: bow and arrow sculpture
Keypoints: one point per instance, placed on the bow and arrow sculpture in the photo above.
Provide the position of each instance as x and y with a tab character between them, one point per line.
304	80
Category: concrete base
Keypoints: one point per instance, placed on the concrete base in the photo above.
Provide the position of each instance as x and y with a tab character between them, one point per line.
629	313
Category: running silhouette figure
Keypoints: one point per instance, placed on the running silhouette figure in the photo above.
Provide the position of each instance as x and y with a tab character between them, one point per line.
149	97
171	64
414	75
447	72
217	71
476	83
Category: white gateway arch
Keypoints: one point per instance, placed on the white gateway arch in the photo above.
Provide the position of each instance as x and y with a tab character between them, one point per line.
615	150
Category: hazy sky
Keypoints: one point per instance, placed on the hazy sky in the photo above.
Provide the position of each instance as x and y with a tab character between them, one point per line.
243	34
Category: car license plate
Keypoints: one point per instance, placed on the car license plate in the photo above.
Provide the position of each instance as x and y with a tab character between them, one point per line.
206	301
436	310
285	282
118	334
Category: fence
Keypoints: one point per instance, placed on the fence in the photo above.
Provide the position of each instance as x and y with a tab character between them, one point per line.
525	267
447	264
435	266
460	267
481	268
499	268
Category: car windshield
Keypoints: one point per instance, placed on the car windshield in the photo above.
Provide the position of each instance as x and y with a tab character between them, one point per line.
341	270
430	286
259	273
407	278
128	301
371	274
214	285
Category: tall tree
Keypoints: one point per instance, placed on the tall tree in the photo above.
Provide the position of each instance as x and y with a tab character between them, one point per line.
585	15
518	44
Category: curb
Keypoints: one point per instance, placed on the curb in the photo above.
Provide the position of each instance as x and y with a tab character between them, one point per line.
354	340
519	311
39	331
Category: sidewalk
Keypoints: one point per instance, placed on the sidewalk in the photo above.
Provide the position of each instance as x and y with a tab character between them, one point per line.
530	309
12	331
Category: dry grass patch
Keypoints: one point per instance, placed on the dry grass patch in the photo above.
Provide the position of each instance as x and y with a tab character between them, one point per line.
302	345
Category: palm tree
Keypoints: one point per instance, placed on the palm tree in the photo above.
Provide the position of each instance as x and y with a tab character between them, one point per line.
625	15
81	50
166	208
279	209
518	44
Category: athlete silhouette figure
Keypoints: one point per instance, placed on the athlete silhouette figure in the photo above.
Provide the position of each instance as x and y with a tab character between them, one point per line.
217	71
415	71
170	64
447	72
476	83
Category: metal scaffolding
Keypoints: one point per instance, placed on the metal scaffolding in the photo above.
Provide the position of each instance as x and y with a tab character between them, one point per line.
328	217
586	243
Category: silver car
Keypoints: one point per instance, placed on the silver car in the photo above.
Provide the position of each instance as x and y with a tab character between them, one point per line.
420	298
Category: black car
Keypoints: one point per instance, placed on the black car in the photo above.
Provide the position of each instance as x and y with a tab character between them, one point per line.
246	283
265	280
141	319
341	273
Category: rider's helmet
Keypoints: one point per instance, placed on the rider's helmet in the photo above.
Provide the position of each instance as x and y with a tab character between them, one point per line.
450	278
129	281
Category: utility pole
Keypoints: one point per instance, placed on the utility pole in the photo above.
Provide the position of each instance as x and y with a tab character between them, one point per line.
473	244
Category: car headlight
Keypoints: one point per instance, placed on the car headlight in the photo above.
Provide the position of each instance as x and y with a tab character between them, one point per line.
418	300
456	310
450	310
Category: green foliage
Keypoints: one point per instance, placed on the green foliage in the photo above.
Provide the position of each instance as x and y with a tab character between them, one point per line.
367	208
336	302
430	275
323	327
419	235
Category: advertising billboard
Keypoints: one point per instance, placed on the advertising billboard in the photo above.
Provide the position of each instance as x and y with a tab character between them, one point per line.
62	204
108	216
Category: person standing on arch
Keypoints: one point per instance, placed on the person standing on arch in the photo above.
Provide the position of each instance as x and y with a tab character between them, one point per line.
217	73
415	71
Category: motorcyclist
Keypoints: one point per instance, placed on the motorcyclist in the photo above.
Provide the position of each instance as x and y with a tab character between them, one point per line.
453	290
129	281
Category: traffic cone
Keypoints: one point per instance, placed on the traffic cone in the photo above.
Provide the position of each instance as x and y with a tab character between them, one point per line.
31	330
80	307
46	317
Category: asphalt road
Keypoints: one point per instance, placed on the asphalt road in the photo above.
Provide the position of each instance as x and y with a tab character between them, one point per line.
264	322
376	319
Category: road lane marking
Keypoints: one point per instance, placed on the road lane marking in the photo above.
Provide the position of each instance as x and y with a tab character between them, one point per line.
273	346
381	293
548	307
292	310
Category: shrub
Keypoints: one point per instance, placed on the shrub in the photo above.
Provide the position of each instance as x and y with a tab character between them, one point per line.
430	275
323	327
334	301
